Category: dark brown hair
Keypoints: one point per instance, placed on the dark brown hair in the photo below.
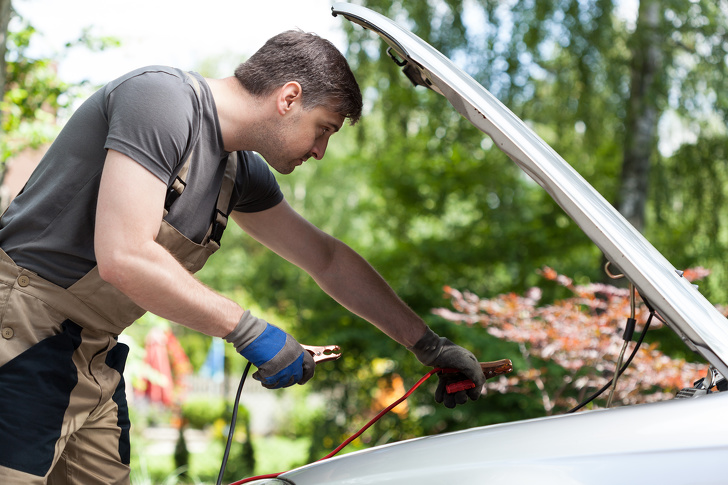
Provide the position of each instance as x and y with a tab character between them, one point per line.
315	63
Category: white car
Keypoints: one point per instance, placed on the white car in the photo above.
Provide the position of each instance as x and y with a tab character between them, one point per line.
681	441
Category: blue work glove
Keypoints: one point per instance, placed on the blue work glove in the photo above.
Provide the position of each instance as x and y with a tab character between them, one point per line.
281	361
439	352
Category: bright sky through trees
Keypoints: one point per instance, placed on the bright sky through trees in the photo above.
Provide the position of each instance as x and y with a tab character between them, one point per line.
180	33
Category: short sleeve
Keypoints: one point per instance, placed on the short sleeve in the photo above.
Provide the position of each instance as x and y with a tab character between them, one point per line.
152	119
259	187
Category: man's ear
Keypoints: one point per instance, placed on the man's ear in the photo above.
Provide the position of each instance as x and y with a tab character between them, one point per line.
288	95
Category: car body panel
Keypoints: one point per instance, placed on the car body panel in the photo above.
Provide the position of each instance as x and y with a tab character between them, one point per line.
685	310
664	442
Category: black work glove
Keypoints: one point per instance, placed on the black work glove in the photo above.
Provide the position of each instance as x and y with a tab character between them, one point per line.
281	361
439	352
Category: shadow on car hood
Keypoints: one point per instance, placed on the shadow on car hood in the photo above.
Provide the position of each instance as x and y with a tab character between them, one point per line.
685	310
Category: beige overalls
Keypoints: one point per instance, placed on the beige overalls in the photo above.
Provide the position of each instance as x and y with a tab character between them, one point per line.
63	411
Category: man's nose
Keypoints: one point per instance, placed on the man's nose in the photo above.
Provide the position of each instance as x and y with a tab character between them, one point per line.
319	148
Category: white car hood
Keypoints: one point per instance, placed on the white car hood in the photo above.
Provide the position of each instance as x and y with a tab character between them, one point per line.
666	442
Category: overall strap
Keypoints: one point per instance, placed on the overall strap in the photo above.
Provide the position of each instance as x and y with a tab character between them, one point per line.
179	184
214	233
222	211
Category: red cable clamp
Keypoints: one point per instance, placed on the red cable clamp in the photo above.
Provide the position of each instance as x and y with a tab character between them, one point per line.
490	369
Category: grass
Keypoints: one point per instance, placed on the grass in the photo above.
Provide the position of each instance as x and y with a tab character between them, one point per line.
272	454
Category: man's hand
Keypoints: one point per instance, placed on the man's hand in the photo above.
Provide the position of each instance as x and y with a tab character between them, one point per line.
440	352
281	361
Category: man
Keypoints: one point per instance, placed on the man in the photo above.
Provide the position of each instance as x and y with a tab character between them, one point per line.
130	200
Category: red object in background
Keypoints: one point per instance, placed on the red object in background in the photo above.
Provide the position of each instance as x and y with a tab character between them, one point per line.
165	355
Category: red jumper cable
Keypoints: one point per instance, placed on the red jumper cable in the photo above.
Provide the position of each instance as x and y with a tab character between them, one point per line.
490	369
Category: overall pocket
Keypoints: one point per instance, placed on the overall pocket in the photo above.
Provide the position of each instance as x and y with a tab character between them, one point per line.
35	389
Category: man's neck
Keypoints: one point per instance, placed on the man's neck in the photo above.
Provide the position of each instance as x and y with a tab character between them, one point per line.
238	112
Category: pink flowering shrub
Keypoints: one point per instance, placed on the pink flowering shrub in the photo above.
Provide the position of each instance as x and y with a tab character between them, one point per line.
582	334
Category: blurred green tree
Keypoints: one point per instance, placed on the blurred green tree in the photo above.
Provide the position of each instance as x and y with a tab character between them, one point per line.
33	96
32	92
428	197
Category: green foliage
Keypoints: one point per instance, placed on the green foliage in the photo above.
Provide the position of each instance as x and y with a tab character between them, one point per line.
241	462
181	454
146	469
88	39
202	411
695	33
302	419
196	345
688	220
33	95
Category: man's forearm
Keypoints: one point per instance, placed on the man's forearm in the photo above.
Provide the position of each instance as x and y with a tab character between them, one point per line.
153	279
356	285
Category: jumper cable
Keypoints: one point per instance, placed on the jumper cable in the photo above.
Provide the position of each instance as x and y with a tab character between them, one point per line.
490	369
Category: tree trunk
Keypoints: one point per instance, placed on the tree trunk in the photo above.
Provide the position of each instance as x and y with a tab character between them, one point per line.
5	12
642	114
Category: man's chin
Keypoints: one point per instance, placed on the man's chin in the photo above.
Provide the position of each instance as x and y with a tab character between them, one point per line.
282	168
284	171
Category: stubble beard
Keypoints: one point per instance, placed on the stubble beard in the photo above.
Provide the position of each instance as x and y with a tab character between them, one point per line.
272	138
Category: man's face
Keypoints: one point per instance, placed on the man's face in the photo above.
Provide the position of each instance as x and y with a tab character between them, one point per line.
298	136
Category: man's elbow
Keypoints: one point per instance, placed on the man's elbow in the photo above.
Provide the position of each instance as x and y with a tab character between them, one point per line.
114	268
328	259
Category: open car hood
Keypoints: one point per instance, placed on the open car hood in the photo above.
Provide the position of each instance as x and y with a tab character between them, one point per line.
702	327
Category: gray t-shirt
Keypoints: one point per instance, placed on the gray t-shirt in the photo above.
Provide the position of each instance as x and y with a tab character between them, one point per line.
154	116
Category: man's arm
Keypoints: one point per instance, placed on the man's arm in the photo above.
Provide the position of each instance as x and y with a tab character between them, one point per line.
128	216
337	269
351	281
